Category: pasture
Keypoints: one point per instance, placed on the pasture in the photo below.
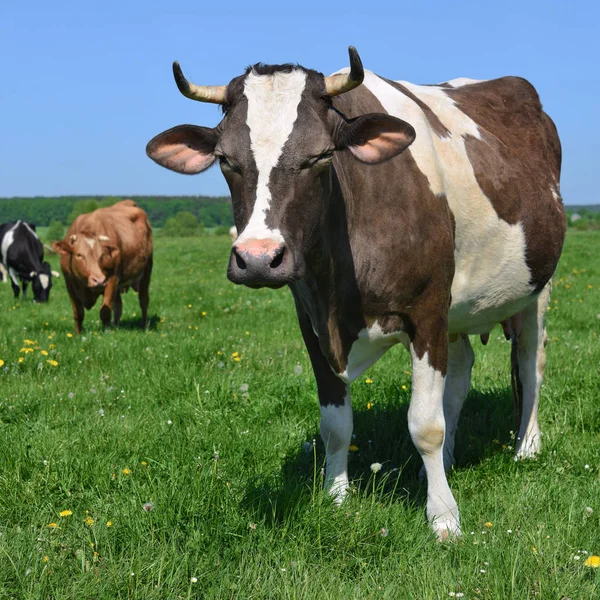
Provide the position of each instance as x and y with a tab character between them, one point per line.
178	461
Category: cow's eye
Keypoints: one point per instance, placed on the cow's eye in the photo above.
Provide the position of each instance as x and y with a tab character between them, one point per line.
318	160
227	164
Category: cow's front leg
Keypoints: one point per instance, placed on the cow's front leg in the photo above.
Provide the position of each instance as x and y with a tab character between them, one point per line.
336	414
107	300
117	308
24	286
427	428
14	282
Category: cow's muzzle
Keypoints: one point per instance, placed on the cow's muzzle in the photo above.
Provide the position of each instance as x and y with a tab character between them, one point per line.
261	263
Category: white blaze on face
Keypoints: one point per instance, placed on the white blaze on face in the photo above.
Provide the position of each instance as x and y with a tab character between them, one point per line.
90	242
44	280
272	111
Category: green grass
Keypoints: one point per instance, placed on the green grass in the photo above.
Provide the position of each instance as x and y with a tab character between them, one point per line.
236	500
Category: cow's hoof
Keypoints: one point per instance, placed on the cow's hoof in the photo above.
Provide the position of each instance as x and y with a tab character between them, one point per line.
446	529
528	447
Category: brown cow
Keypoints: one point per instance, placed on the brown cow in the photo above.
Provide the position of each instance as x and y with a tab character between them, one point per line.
104	253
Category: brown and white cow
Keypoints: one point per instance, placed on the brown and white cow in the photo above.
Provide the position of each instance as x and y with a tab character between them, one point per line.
395	213
104	253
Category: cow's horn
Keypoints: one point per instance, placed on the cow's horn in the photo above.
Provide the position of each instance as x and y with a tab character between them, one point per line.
73	239
32	274
202	93
344	82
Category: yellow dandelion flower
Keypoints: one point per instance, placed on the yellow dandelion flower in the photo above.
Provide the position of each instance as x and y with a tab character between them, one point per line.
144	463
534	549
69	335
52	346
404	387
237	359
88	521
65	513
29	342
54	363
2	362
368	380
126	471
247	332
109	523
46	559
21	359
592	561
590	287
353	448
369	406
52	525
203	313
488	524
235	354
44	352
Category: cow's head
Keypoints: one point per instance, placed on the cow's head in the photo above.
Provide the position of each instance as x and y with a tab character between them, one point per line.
275	146
41	282
91	257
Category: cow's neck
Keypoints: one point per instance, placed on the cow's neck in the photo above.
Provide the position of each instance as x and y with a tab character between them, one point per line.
329	292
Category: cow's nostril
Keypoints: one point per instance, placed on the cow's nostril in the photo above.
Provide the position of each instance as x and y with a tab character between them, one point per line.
239	260
276	262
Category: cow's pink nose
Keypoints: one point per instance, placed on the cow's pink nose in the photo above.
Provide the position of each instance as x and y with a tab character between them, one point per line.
259	262
97	281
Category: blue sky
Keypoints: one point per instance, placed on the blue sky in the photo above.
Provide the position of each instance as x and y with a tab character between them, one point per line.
85	86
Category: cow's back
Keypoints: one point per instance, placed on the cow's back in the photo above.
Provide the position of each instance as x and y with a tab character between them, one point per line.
489	152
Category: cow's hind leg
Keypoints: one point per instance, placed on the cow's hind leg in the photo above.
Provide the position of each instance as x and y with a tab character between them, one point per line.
458	383
336	415
427	428
143	295
528	365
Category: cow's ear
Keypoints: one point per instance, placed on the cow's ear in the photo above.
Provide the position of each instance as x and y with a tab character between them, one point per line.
186	149
62	247
374	138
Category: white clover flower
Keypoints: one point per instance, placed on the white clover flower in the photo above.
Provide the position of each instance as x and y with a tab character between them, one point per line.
194	580
376	467
588	510
148	506
298	369
244	387
383	532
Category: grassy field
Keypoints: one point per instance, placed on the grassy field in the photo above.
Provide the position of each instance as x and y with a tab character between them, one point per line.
177	462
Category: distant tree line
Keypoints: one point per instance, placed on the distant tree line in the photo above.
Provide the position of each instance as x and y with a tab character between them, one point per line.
210	212
583	218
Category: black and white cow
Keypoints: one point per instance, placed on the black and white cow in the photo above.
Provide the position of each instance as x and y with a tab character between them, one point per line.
396	213
22	254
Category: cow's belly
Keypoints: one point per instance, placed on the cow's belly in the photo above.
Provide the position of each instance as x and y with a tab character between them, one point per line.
491	282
